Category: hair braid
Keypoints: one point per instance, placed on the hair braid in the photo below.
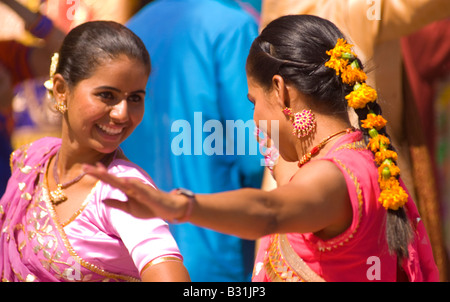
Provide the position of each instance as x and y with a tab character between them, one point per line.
363	99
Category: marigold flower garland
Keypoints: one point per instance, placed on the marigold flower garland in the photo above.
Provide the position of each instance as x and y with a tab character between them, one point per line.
344	61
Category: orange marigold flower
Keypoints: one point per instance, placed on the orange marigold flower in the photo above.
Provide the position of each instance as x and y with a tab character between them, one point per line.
393	198
375	143
382	155
341	47
337	64
393	172
359	98
374	121
386	184
352	75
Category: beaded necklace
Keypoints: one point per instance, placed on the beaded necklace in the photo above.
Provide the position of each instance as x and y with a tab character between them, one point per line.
307	157
58	196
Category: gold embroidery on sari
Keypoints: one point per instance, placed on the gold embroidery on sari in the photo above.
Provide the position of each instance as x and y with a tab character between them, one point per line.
283	264
359	145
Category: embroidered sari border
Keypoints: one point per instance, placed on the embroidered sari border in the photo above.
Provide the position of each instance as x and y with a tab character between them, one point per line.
283	264
296	262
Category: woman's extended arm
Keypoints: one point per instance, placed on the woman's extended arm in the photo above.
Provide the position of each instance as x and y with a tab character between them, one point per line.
314	200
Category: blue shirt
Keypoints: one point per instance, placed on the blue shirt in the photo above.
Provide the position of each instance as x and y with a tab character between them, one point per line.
198	131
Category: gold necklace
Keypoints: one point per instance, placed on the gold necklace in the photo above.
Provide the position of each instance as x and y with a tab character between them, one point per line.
307	157
58	196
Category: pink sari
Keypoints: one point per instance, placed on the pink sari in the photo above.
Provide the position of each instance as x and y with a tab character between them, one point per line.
97	244
358	254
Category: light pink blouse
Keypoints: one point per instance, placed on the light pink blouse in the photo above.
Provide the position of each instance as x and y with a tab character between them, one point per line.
114	239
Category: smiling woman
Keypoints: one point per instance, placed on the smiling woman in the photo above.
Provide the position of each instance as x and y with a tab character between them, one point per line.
105	108
62	229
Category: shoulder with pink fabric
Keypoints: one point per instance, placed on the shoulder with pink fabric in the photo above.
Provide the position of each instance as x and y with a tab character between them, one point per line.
26	157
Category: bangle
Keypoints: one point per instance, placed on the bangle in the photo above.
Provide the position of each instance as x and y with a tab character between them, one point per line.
42	27
191	199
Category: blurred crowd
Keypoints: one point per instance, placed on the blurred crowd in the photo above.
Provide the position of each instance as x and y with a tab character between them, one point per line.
405	46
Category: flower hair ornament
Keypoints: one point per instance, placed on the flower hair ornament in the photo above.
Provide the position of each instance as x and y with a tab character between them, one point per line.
61	107
344	61
54	64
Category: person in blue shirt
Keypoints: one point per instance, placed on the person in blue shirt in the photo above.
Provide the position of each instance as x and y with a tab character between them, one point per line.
197	131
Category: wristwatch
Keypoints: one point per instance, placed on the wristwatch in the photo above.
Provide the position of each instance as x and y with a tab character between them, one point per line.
191	199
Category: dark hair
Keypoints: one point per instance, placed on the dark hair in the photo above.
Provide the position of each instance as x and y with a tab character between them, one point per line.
295	47
86	47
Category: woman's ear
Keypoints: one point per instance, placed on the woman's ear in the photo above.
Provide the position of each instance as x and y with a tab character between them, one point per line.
60	88
281	91
60	92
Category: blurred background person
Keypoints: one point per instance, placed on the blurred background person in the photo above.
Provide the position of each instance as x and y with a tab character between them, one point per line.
426	57
68	14
377	27
198	50
20	62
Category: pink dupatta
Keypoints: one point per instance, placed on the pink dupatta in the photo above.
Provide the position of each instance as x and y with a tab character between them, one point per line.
27	165
33	244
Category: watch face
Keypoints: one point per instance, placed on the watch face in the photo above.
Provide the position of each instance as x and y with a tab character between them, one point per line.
185	192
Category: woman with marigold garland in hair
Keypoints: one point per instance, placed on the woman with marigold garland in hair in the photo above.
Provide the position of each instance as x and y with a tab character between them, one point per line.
345	204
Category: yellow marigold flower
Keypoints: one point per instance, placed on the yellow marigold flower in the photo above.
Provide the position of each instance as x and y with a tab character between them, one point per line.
351	75
359	98
386	184
341	47
393	198
339	56
374	121
382	155
337	64
384	180
375	143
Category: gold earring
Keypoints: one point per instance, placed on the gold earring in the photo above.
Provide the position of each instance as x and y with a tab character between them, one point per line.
61	107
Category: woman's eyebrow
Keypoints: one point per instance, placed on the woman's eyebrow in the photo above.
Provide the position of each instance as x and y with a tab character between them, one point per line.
118	90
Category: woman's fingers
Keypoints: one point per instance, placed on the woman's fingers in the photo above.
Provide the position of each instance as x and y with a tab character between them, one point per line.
143	199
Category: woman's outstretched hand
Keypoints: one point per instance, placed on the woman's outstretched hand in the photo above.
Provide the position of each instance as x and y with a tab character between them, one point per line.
144	201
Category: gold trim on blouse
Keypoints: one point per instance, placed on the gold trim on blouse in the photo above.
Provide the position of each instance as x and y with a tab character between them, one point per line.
158	261
60	228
